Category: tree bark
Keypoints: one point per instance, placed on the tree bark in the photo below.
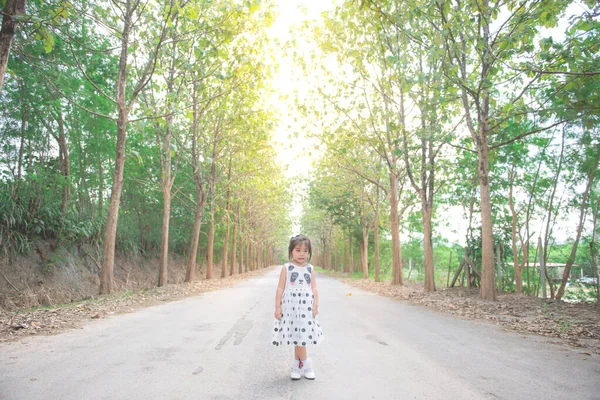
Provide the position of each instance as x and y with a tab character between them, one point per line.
234	245
110	230
24	119
335	255
241	261
248	256
211	228
429	284
225	260
201	197
11	9
164	248
365	251
395	228
190	275
65	163
211	243
488	291
351	254
423	188
376	239
345	266
167	175
100	186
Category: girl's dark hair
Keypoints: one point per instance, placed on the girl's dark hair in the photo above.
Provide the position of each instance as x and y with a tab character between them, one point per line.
295	241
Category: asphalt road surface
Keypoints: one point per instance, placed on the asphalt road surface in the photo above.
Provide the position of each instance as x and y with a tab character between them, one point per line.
217	346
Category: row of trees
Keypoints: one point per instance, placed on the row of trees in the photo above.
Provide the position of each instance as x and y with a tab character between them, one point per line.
432	105
141	126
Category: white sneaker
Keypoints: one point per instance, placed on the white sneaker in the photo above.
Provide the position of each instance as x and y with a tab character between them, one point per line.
296	371
309	373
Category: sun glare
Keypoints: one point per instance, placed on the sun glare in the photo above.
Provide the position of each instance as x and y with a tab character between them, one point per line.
295	150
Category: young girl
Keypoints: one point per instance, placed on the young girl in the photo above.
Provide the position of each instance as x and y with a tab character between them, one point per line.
297	307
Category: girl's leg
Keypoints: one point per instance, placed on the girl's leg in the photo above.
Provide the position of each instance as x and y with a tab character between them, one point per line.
306	368
300	353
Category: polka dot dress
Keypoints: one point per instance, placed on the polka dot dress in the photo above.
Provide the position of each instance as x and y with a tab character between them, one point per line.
297	326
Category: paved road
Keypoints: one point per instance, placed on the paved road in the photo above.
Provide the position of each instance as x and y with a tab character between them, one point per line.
217	346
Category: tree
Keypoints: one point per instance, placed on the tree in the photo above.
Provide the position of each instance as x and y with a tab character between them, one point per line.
133	16
10	13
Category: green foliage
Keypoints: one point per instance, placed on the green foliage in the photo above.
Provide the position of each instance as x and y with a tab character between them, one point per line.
62	87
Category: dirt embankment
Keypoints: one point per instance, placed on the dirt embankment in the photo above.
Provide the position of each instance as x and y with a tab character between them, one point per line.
52	275
576	324
50	320
54	289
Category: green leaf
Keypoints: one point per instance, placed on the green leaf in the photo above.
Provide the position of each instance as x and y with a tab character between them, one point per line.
48	42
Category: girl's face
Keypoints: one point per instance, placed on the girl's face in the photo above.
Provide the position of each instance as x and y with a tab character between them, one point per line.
300	254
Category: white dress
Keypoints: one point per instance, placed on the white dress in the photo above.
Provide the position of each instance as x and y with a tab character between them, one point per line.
297	326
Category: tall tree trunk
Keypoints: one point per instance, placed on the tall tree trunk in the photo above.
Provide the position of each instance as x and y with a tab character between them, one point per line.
253	251
258	255
429	284
329	254
248	255
376	238
571	260
211	242
395	228
241	261
211	228
164	248
488	291
11	9
190	275
365	251
234	245
479	135
335	255
593	249
167	176
345	266
100	187
24	118
110	230
424	187
65	163
350	255
225	260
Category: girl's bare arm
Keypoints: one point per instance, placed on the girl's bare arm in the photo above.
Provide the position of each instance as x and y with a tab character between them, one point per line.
313	285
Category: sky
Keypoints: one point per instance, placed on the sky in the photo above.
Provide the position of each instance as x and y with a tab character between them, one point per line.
294	152
294	148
